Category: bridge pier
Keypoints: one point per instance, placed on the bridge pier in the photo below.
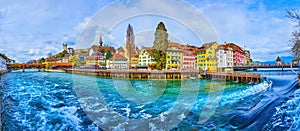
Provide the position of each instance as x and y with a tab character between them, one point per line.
299	79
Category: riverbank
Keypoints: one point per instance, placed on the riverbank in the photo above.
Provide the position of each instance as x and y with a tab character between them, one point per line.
3	72
57	71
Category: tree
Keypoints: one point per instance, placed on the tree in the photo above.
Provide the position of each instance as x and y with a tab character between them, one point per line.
161	38
102	64
42	60
108	54
160	58
294	15
62	54
160	45
75	60
102	51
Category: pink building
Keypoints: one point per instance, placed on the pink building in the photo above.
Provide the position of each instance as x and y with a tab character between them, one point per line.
238	54
189	55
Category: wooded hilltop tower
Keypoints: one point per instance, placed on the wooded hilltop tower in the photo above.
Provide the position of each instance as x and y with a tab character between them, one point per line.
65	47
130	45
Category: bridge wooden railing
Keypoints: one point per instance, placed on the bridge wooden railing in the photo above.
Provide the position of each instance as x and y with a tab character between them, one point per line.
267	66
55	64
17	66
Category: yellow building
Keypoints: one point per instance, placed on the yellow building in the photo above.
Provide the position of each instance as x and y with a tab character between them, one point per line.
206	57
92	60
134	62
174	56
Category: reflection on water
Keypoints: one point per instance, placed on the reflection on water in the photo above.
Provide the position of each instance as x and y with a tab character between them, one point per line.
47	101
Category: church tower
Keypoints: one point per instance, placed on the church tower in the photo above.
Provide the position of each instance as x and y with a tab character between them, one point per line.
130	46
100	41
65	47
278	61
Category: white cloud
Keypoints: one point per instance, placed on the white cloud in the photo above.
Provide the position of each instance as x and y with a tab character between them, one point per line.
263	31
115	18
82	24
46	25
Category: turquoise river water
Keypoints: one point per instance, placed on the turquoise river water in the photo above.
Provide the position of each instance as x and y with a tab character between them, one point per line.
34	100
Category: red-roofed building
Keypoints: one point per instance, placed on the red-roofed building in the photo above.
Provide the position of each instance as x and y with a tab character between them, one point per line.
174	56
117	61
97	54
238	54
145	57
206	57
66	58
53	59
3	61
189	57
225	57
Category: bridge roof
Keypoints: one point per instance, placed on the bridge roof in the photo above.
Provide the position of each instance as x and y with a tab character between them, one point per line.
5	57
278	59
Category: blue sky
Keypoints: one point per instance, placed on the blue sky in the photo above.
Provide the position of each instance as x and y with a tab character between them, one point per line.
32	29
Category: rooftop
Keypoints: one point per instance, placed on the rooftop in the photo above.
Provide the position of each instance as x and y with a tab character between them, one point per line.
118	56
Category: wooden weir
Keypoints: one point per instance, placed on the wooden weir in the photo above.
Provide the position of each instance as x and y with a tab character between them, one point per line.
169	74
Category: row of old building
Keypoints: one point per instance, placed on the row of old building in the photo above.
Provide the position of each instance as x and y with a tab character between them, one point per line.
210	56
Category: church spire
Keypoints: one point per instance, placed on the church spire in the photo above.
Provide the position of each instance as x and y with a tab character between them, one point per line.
130	45
100	41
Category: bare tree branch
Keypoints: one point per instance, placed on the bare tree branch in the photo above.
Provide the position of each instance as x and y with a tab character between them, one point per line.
294	15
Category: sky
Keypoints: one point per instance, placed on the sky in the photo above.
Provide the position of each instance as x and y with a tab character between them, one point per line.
31	29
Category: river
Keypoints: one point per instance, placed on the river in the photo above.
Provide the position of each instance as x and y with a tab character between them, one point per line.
34	100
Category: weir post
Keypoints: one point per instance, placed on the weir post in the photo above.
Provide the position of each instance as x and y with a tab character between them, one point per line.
298	79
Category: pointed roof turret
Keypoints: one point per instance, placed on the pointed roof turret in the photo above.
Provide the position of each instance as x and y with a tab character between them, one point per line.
278	59
100	41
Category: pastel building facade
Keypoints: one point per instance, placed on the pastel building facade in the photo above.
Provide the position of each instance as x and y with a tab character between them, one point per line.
96	55
174	55
224	57
206	57
117	61
145	57
189	57
238	54
247	58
